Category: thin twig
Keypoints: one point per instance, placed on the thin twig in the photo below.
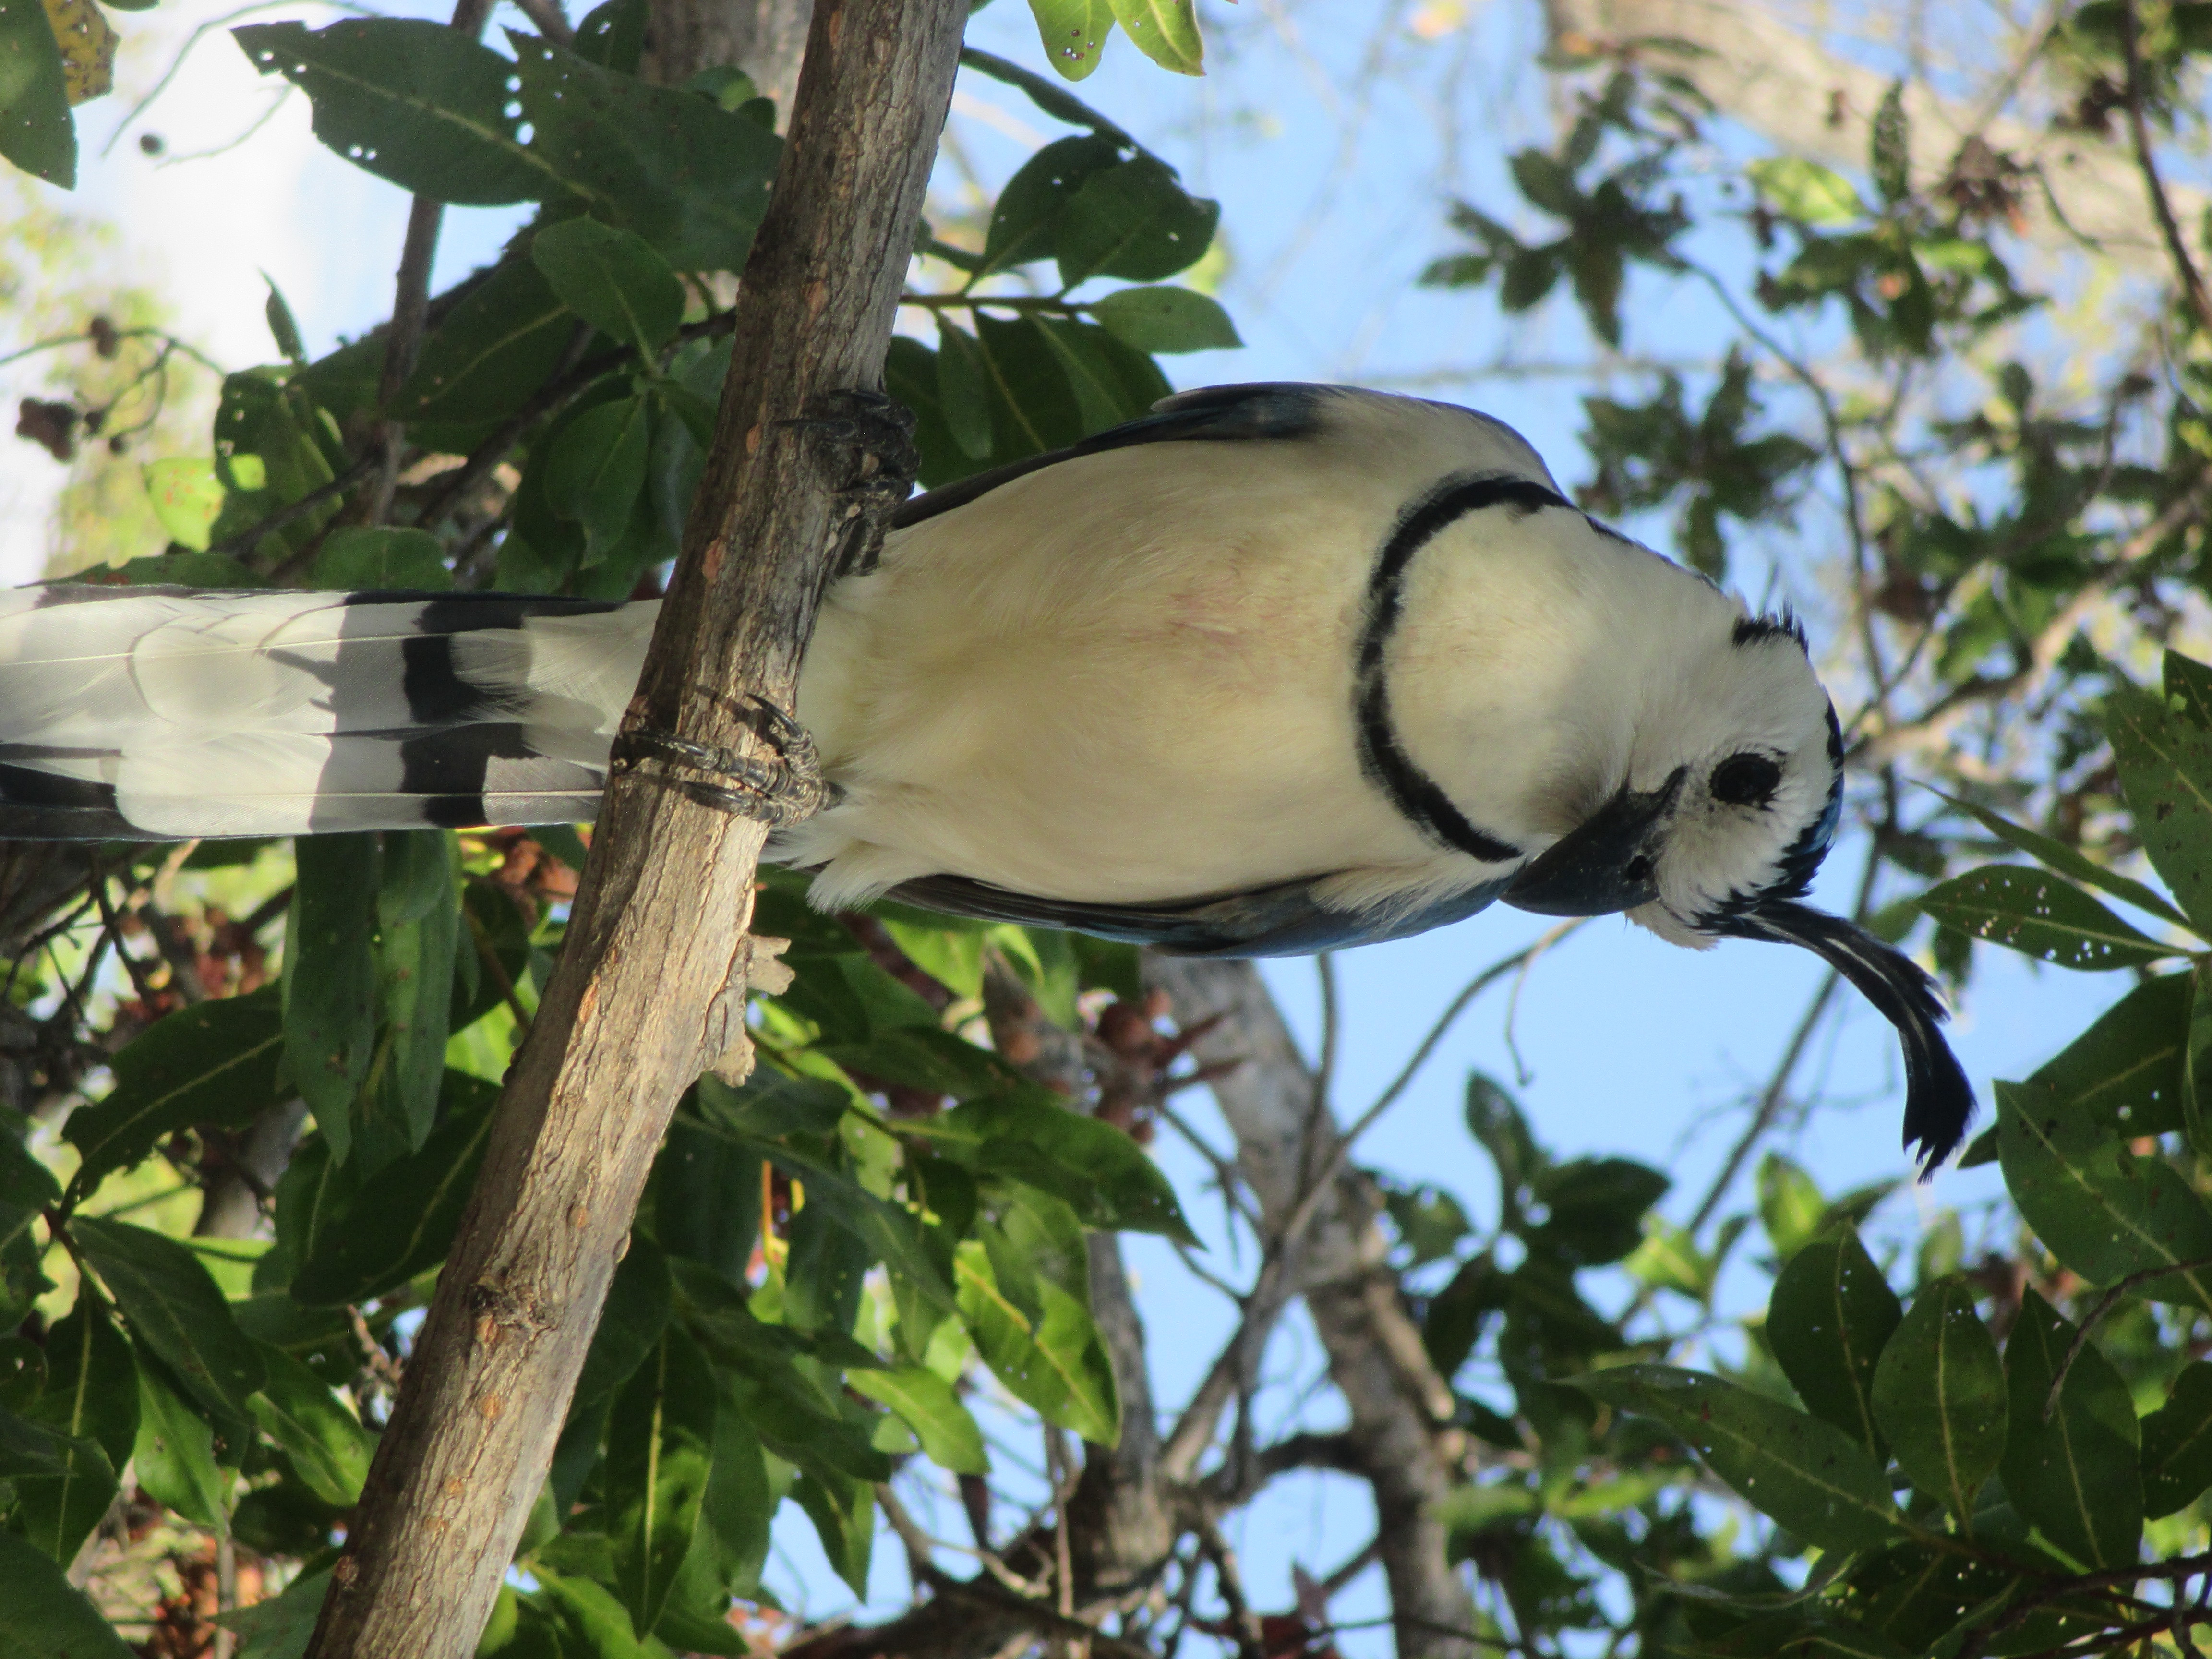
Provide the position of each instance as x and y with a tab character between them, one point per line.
551	21
2192	284
284	517
2105	1304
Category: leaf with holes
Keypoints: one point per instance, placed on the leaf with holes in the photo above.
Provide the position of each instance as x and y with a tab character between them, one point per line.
418	103
2069	860
1023	218
2039	916
2126	1071
2099	1208
2164	762
36	130
1807	1474
1135	221
1072	33
1827	1322
1939	1395
2073	1475
2176	1443
1165	31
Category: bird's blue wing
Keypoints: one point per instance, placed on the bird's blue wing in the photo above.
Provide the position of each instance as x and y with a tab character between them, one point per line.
1283	920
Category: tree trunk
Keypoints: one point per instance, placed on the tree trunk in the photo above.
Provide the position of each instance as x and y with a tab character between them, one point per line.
652	982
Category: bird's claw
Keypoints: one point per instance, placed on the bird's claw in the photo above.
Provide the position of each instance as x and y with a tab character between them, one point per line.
777	792
873	434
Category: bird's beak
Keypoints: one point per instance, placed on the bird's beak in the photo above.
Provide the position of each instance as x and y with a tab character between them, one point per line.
1939	1102
1607	863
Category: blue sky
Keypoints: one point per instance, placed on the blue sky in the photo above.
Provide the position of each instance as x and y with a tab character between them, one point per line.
1334	137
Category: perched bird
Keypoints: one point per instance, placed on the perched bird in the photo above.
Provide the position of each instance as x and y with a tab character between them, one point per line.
1274	669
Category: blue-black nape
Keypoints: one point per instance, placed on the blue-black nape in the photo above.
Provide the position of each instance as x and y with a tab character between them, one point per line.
1784	625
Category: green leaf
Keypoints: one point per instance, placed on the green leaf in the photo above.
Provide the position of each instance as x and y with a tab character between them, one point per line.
927	1404
1073	34
418	909
186	495
598	468
637	1312
356	559
690	177
402	1220
413	101
2069	860
213	1063
1806	191
1112	383
48	1617
174	1310
2040	916
29	1450
2177	1444
1049	1355
2102	1211
91	1396
1596	1208
661	1445
1890	155
923	1058
1097	1170
1134	220
1807	1474
843	1513
36	132
589	1620
1165	31
614	279
1831	1314
962	390
1032	406
174	1456
2076	1476
1027	212
730	1545
1166	319
281	1627
491	351
327	1444
1939	1395
2126	1071
2196	1057
2164	762
330	979
2188	687
1791	1206
952	956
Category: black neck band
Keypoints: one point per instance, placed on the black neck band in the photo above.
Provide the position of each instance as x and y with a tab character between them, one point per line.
1382	756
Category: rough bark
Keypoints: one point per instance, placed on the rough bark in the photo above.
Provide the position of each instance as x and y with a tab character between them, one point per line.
652	981
1400	1438
1779	81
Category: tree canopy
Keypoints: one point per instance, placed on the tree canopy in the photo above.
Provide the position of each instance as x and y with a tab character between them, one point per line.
1958	392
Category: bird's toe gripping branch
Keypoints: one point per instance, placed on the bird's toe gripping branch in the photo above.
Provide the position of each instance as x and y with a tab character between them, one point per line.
871	436
778	793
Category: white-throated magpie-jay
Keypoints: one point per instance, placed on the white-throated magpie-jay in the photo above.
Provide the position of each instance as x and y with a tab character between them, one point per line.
1274	669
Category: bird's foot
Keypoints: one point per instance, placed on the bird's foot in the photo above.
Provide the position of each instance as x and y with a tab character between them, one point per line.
777	792
871	437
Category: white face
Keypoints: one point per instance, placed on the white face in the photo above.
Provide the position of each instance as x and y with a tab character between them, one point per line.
1762	763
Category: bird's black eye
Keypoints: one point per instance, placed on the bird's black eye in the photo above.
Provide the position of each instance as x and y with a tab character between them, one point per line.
1746	779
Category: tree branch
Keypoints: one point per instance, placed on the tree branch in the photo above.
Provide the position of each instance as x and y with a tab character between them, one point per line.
651	986
2185	268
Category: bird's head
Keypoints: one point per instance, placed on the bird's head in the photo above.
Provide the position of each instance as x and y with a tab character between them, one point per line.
1728	804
